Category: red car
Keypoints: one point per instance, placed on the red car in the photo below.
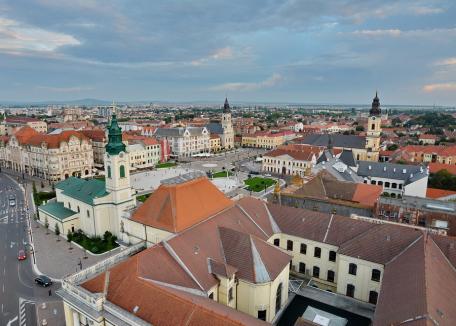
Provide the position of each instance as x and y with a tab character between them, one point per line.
21	255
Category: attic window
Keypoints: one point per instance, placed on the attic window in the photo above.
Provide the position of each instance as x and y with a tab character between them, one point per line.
135	309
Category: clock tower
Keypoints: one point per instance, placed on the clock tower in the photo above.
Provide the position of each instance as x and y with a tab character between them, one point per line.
374	130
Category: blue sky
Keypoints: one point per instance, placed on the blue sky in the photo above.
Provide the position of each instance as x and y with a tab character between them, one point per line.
304	51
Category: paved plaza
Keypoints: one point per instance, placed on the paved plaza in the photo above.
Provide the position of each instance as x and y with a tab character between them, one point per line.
55	258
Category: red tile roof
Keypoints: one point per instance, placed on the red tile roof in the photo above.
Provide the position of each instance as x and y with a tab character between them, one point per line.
301	153
29	136
176	207
436	167
435	193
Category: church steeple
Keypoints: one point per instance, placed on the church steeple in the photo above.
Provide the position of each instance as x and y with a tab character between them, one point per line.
375	109
115	144
226	106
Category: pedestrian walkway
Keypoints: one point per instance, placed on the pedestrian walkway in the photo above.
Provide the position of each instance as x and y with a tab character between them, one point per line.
55	258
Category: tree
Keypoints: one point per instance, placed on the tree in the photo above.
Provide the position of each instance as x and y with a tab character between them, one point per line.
34	188
46	225
359	128
392	147
69	236
56	229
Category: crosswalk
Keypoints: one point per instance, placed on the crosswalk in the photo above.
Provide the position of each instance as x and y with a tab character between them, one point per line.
22	312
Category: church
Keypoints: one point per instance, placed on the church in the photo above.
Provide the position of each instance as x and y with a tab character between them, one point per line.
364	148
223	129
91	205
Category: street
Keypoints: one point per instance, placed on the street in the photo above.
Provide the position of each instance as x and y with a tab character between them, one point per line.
19	294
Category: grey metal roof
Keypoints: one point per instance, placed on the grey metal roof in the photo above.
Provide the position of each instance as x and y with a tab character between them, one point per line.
183	178
344	141
406	173
424	204
332	165
215	128
347	157
179	132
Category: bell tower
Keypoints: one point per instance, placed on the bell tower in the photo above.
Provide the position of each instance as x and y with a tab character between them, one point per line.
117	164
227	125
374	130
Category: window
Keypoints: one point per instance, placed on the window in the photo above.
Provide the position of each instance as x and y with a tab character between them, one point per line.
289	245
387	184
350	290
109	172
330	276
332	255
122	171
373	182
373	126
79	209
211	296
277	242
88	213
262	315
302	268
230	294
376	275
303	248
316	272
317	252
278	298
373	296
380	183
352	269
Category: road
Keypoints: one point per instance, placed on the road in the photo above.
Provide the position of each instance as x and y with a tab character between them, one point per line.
18	292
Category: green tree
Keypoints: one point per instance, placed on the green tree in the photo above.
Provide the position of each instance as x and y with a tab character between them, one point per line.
359	128
56	229
46	225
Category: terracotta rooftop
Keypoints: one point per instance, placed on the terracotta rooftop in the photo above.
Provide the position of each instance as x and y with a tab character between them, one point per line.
29	136
301	153
176	207
436	167
435	193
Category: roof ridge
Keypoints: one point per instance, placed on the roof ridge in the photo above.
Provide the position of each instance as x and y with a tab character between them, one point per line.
246	214
274	225
257	259
404	250
181	263
328	227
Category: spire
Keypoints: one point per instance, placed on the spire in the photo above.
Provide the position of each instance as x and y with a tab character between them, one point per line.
115	144
226	106
375	110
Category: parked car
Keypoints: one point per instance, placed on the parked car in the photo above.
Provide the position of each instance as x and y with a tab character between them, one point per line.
43	280
21	255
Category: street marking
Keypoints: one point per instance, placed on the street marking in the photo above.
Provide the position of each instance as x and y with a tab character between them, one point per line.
12	321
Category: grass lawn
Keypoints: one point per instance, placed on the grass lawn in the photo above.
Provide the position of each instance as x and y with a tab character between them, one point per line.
257	184
95	245
221	174
165	165
142	198
39	197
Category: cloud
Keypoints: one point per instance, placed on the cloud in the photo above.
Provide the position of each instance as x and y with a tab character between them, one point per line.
225	53
16	38
439	87
267	83
423	10
378	32
74	89
446	62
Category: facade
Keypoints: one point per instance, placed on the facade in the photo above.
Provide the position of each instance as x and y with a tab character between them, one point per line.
224	130
426	139
53	157
99	141
216	144
185	142
267	139
427	154
291	159
14	123
94	206
397	180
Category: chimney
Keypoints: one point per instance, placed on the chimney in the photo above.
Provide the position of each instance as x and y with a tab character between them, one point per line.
404	171
370	167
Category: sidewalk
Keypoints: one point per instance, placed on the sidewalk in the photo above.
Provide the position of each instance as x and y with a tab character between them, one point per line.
55	259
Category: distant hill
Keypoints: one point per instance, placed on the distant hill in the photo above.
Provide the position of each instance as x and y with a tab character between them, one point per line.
79	102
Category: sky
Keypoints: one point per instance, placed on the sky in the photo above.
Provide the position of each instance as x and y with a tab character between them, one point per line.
289	51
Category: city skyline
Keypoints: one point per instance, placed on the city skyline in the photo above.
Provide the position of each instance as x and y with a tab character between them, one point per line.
292	52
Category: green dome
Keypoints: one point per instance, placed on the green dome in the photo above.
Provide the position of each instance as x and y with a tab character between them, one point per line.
115	144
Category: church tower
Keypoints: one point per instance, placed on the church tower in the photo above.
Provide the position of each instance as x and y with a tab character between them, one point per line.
117	164
374	129
227	125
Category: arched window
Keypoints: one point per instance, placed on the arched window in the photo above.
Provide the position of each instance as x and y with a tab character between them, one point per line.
109	172
373	296
122	171
316	272
278	298
352	269
350	290
376	275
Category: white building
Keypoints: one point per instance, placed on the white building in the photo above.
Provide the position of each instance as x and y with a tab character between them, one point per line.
185	142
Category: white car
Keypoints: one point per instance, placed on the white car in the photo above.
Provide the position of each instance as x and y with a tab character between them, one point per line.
267	175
